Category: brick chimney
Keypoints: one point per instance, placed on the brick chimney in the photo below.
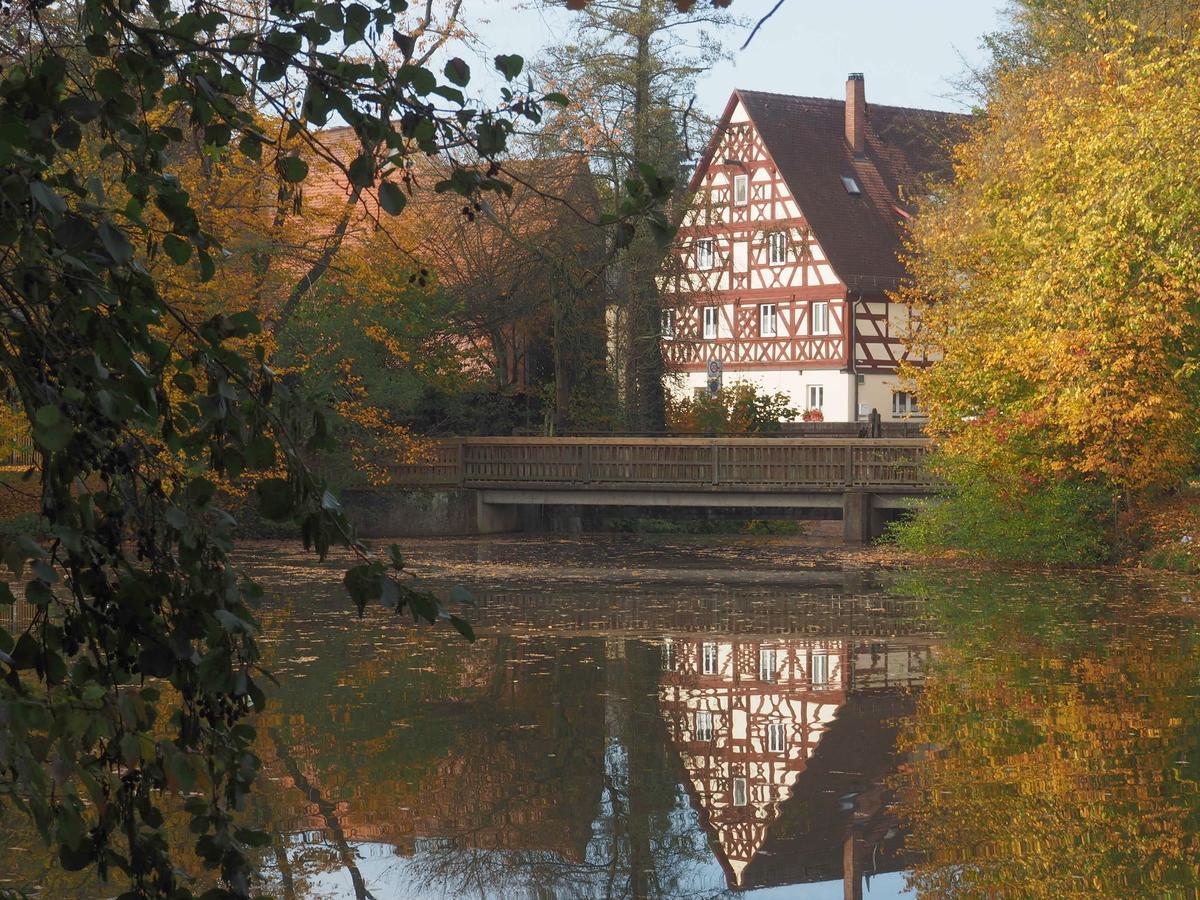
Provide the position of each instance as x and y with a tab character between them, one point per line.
856	113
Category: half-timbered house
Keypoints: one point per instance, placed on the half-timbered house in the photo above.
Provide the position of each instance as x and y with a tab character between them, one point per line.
791	242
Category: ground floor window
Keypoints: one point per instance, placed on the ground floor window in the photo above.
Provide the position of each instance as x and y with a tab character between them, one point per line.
767	663
820	669
904	403
815	394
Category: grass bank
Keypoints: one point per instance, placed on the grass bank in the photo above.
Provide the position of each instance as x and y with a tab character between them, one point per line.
1165	533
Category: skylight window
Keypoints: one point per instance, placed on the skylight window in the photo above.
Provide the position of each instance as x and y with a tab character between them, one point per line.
851	184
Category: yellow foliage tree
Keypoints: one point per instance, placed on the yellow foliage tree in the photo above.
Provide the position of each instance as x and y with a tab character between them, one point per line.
1048	759
1056	283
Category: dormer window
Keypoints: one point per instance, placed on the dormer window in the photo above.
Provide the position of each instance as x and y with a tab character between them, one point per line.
741	190
851	184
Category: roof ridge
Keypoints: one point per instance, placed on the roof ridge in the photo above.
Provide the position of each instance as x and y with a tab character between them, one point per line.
789	96
837	102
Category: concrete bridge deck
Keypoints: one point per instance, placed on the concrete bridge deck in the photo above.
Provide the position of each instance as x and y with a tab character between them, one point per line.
863	477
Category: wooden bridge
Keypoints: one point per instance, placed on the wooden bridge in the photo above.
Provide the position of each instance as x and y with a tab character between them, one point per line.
862	477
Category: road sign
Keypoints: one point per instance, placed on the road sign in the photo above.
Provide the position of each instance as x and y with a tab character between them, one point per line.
715	370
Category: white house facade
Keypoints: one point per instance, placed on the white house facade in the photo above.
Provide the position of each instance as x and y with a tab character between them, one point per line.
790	244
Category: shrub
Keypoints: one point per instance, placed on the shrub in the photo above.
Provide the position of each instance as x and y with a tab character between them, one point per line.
741	408
1012	517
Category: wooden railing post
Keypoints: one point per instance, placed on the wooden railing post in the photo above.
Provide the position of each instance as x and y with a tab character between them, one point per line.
716	463
849	465
587	463
462	462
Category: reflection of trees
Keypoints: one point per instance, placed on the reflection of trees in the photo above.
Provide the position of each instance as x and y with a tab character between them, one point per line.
1054	750
646	836
332	826
643	840
497	749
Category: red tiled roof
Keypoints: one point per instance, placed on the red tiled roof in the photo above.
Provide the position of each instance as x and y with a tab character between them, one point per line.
906	149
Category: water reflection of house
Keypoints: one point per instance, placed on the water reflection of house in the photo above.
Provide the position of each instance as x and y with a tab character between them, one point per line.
747	716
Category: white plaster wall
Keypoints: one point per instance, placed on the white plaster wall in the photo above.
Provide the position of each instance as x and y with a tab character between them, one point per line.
876	391
792	382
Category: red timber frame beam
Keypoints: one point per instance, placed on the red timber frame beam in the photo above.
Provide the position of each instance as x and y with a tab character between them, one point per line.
743	348
876	350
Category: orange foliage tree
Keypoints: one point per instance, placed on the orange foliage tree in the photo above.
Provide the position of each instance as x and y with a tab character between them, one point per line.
1056	283
1051	750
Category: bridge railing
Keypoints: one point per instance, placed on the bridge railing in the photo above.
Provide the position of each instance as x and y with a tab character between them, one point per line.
715	464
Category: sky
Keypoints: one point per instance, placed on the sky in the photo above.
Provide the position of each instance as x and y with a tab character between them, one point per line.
908	50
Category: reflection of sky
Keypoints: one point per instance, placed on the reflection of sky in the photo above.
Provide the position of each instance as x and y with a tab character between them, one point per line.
890	884
682	865
391	876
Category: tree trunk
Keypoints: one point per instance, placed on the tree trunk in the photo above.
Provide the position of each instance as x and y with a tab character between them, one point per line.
643	368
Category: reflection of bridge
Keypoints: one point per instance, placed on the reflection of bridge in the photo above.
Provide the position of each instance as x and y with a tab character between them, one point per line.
741	612
863	478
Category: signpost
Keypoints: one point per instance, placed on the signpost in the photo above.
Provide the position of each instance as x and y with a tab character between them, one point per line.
715	369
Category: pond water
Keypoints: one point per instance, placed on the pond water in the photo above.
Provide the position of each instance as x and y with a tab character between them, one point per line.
717	717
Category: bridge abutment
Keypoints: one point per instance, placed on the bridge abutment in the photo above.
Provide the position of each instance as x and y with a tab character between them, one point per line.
435	512
856	517
495	518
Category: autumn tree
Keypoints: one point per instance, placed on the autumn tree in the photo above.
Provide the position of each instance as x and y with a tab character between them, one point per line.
527	272
1055	284
739	408
132	686
1049	752
630	67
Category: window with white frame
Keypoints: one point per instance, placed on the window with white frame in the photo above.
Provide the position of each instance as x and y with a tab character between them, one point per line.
741	190
739	791
704	725
668	324
768	320
776	742
816	396
708	659
904	403
819	674
777	247
668	656
710	323
819	320
768	663
703	251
